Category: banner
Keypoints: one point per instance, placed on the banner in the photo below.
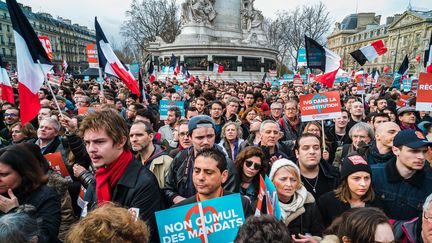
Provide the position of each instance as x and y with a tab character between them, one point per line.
424	91
406	83
301	59
56	162
46	43
134	69
322	106
403	100
164	105
92	56
214	220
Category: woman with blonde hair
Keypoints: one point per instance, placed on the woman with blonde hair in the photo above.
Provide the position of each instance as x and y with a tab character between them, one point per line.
109	224
231	139
299	211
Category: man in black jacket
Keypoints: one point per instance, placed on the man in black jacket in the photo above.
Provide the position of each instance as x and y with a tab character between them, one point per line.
317	175
210	171
120	178
178	182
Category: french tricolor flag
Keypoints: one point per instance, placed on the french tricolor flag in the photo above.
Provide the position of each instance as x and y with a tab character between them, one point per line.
217	68
29	53
369	52
6	87
109	62
322	58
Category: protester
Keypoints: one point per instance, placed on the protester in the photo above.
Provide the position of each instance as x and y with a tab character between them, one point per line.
20	227
178	182
210	171
109	223
231	139
366	225
299	211
317	176
153	156
355	190
120	178
263	229
402	182
23	182
251	164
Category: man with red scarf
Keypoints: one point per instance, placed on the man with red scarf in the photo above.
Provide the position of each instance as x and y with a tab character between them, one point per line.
120	178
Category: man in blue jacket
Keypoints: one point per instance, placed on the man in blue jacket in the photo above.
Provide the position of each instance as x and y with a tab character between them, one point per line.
404	182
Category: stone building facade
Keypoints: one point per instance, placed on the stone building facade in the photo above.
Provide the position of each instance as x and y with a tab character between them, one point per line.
68	40
412	29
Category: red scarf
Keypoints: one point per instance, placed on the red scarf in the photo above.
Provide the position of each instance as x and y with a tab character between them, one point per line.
107	177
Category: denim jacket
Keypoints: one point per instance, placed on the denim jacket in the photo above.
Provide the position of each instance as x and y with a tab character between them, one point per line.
402	198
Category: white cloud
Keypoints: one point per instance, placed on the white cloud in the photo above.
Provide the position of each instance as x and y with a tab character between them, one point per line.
111	13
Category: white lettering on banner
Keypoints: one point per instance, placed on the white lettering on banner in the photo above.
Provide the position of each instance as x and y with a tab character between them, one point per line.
317	107
425	87
213	223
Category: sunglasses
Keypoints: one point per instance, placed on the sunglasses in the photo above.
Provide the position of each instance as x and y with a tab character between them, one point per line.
250	163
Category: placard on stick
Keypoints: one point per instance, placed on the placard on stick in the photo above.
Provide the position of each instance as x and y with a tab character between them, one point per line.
322	106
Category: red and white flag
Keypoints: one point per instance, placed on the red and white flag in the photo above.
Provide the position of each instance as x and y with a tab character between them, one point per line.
110	63
369	52
218	68
64	66
29	52
323	59
6	87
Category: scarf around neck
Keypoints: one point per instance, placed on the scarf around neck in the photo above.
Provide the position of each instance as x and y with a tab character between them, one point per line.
107	177
298	201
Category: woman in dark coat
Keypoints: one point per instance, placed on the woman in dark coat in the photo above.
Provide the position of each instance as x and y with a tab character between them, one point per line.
355	190
22	181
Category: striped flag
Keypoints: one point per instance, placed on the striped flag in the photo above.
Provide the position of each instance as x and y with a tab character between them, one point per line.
369	52
110	63
322	58
29	53
218	68
6	87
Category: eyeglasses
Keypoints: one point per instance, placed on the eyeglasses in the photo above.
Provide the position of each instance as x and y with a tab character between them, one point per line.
183	134
429	219
255	165
11	115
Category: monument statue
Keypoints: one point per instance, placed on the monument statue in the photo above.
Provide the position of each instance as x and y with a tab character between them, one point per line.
251	18
198	11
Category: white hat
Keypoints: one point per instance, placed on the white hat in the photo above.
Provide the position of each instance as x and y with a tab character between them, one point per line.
280	163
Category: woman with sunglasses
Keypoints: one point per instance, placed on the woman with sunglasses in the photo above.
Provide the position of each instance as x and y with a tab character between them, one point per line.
250	164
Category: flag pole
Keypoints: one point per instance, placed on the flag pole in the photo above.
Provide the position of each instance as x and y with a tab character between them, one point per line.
100	78
50	88
323	134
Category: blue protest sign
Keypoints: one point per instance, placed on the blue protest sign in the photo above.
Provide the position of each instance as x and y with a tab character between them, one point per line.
179	89
164	105
86	78
406	84
134	68
215	220
301	59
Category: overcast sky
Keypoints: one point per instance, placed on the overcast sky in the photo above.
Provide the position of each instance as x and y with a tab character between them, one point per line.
111	13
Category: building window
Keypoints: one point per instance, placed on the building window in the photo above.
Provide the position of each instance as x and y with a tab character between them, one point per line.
1	39
252	64
4	51
8	28
229	63
378	32
371	34
196	63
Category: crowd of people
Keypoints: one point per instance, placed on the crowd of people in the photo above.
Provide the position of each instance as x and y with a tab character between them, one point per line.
362	177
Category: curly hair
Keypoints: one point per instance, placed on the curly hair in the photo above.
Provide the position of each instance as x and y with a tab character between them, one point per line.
263	229
109	223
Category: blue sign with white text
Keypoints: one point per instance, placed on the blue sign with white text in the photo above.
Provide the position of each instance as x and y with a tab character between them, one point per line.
164	105
214	220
